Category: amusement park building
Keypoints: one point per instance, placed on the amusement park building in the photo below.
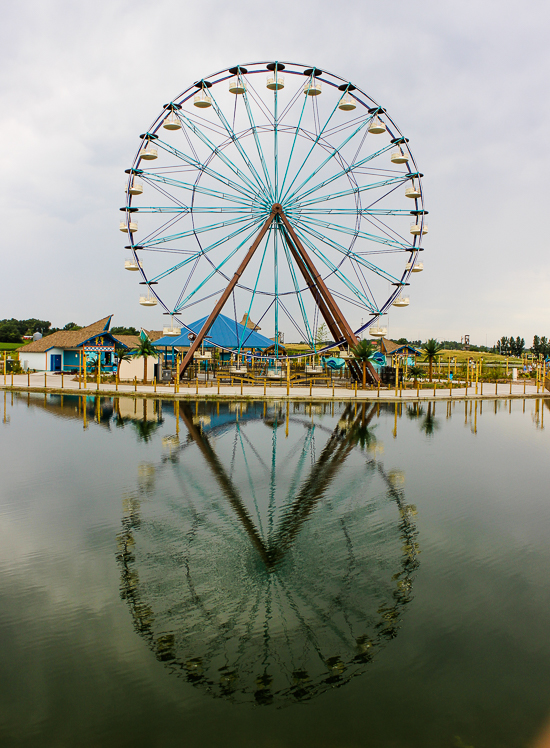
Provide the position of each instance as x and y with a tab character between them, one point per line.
391	351
61	350
224	332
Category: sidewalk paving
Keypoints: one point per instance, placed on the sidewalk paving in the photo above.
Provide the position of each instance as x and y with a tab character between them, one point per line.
210	390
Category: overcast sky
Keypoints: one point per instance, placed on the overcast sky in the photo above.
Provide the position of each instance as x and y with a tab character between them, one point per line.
466	82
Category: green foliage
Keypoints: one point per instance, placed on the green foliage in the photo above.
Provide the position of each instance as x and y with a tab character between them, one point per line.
9	333
27	326
12	346
541	346
122	354
145	349
322	336
363	350
363	435
72	326
415	372
511	346
124	331
431	348
430	424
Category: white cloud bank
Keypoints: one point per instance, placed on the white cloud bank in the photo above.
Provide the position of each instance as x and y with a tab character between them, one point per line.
467	83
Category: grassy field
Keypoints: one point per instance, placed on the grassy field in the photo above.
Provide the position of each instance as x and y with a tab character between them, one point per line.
11	346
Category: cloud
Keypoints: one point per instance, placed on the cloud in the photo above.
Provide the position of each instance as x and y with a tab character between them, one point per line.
466	83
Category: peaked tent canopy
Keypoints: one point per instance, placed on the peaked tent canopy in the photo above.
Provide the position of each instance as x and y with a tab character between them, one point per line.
225	333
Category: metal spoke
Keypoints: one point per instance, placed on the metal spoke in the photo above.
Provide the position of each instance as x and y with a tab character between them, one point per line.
218	267
343	172
310	151
258	145
201	230
254	291
292	269
197	209
204	251
236	142
193	187
354	191
336	269
249	187
297	130
348	253
352	232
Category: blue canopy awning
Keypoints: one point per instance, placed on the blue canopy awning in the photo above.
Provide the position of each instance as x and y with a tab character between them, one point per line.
224	333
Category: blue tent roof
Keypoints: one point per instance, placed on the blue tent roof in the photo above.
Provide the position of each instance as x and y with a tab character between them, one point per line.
225	332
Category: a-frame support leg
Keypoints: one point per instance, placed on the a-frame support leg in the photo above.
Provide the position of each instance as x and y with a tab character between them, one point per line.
225	295
341	329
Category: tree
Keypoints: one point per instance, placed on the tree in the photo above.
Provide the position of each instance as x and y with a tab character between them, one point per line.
321	335
9	333
72	326
363	350
504	346
430	424
124	331
415	372
519	346
145	350
431	348
122	354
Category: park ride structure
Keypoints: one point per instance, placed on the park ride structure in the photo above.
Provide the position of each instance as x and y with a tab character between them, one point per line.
219	551
283	194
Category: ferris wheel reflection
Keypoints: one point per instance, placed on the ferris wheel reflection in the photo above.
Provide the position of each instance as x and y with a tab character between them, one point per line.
268	564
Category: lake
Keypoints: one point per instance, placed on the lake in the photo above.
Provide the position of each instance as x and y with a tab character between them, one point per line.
273	574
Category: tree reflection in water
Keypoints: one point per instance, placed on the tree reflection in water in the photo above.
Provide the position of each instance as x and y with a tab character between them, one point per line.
265	564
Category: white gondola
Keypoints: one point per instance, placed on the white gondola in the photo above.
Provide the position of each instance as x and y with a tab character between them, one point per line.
413	191
312	87
418	267
204	356
399	157
135	188
275	84
237	85
172	331
202	100
172	122
132	226
132	265
401	301
148	153
376	127
347	103
148	300
238	370
417	228
378	331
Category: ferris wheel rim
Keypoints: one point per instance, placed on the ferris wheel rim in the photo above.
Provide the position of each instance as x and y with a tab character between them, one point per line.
290	68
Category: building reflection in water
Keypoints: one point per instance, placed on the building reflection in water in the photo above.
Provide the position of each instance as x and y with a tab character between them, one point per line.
268	557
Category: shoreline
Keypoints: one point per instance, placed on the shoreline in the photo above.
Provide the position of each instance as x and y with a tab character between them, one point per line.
276	393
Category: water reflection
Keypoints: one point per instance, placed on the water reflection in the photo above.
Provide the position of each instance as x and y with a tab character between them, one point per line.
268	557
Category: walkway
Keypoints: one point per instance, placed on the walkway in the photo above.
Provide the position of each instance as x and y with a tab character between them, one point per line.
54	383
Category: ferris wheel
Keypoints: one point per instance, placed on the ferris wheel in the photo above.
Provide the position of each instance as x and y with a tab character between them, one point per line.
281	194
264	567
